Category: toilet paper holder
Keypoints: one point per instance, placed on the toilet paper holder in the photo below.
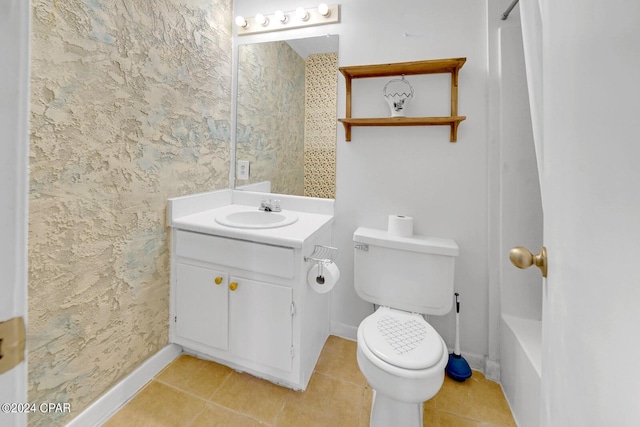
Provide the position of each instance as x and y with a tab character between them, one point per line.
322	255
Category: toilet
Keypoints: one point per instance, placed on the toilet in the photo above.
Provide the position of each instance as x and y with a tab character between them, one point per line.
402	357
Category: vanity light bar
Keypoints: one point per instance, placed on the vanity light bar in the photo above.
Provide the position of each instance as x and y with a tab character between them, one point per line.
279	20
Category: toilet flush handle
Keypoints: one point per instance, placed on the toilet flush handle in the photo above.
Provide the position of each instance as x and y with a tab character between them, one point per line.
521	257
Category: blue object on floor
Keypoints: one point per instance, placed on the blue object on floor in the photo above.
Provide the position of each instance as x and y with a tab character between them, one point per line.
457	368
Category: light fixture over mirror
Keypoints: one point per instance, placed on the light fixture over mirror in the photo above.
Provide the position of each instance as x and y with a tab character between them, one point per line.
286	116
241	22
262	20
302	13
323	9
279	20
281	16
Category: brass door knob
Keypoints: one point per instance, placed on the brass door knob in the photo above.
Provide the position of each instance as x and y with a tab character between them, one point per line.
233	286
523	258
218	280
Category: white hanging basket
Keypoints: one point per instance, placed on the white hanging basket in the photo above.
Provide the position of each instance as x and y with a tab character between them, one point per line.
397	93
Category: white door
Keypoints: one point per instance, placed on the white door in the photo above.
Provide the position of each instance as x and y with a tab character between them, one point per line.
591	194
14	113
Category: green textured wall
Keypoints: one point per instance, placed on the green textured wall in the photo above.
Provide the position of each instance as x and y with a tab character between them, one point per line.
130	106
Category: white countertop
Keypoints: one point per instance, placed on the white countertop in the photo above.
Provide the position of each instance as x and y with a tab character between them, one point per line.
294	235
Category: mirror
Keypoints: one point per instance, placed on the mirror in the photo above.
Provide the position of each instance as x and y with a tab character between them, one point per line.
286	116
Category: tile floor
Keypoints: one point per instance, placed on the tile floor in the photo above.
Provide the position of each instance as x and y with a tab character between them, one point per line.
193	392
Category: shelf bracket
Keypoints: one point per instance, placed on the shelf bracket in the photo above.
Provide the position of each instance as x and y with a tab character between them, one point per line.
454	132
347	132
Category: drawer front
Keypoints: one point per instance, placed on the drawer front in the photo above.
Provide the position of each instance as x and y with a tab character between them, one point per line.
257	257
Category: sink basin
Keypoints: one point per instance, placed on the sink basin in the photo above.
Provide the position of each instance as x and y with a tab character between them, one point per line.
257	219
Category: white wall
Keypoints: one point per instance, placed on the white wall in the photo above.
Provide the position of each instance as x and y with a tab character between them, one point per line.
411	170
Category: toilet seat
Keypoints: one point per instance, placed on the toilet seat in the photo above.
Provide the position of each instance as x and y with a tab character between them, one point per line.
402	339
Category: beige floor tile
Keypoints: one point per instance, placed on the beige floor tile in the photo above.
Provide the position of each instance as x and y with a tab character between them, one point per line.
337	396
431	403
197	376
217	416
255	397
338	360
430	417
326	402
451	420
158	405
365	411
477	399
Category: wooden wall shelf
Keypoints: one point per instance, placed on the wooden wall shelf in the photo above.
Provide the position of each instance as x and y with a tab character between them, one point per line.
436	66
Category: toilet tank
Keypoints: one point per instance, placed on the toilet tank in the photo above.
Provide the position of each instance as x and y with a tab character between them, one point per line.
407	273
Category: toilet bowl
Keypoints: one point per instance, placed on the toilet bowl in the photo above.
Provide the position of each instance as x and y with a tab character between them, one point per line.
403	359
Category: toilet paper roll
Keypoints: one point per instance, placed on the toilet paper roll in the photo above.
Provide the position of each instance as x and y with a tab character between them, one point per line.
330	275
400	225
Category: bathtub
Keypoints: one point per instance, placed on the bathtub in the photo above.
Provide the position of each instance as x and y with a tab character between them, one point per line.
520	367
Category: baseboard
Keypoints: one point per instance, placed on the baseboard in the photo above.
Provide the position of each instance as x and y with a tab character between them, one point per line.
475	361
343	330
102	409
492	369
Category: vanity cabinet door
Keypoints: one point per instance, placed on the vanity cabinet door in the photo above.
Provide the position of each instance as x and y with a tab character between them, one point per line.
260	322
201	305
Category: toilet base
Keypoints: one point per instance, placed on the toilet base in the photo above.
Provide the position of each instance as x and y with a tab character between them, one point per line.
387	412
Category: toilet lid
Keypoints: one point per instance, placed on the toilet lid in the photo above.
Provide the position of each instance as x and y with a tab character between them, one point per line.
402	339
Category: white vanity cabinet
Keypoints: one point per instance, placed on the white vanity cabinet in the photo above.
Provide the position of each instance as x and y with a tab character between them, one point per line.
247	305
212	306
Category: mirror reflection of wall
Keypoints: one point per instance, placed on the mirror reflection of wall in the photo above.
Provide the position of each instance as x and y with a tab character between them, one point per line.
286	115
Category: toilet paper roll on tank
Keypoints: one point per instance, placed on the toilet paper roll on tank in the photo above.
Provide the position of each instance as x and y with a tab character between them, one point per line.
400	225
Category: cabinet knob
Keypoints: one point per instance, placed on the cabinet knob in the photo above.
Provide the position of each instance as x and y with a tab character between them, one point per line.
233	286
218	280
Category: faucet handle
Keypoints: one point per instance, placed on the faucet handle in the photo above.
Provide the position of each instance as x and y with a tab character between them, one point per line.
276	205
265	205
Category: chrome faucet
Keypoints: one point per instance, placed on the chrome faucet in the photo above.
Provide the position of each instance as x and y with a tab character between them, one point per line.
268	205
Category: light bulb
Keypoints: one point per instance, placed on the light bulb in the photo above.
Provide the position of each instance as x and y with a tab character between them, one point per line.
241	22
323	10
302	14
262	20
280	16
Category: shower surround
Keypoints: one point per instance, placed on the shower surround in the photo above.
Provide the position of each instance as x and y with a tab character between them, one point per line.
130	105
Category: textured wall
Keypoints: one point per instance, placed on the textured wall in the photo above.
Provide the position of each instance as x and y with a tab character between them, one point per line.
130	106
270	118
321	97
